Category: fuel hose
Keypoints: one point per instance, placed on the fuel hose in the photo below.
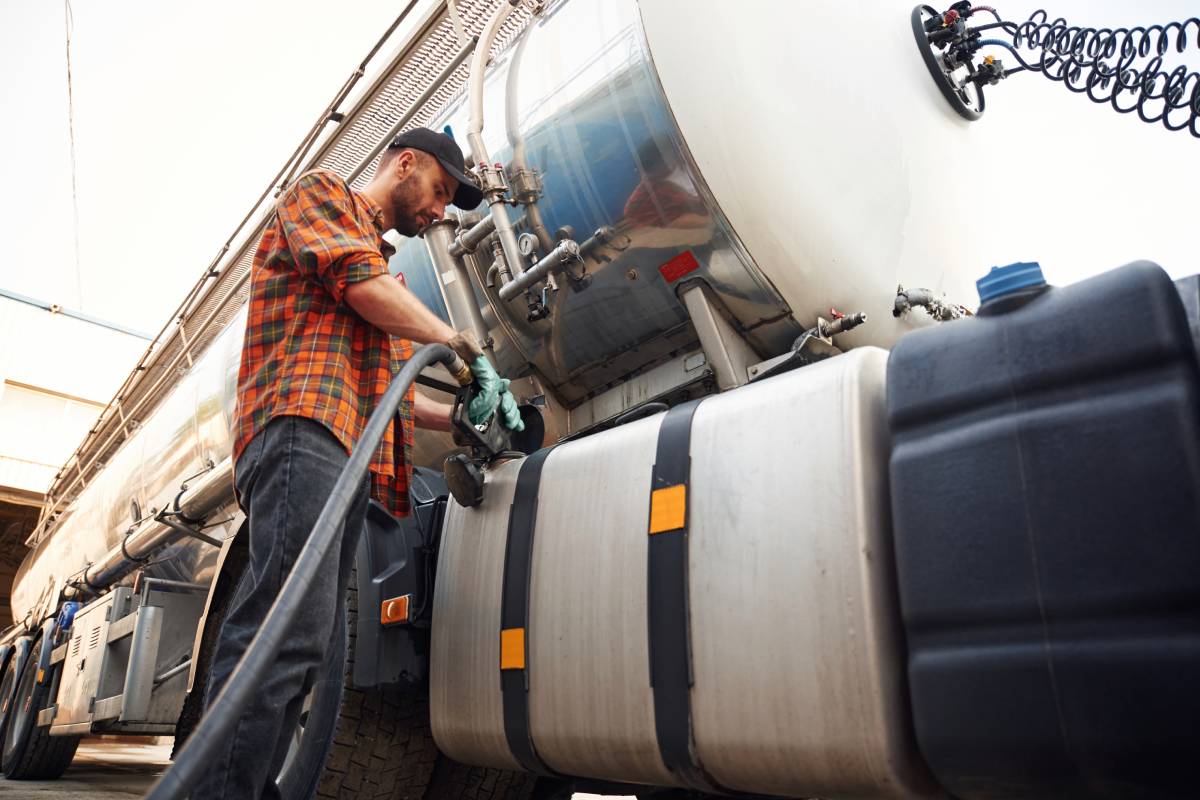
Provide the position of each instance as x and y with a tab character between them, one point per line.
197	754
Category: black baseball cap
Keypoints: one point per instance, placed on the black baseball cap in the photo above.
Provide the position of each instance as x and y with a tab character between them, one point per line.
448	154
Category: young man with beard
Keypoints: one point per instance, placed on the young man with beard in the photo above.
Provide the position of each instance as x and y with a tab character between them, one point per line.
328	327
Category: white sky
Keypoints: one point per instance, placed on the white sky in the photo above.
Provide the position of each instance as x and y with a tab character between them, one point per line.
183	113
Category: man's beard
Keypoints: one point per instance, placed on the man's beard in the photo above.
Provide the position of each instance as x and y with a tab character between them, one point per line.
404	207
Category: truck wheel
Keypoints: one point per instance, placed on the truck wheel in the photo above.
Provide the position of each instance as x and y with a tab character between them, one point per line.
383	746
30	752
360	744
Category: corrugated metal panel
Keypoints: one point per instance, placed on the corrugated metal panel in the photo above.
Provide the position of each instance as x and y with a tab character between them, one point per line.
216	299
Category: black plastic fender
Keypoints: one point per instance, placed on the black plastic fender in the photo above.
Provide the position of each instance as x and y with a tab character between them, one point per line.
397	557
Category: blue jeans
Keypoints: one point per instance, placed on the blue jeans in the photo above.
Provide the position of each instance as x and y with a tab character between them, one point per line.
283	479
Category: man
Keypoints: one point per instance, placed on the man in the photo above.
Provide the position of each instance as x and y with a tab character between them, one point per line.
318	355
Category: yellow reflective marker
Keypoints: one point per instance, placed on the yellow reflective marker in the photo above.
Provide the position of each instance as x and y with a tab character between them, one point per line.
668	508
512	648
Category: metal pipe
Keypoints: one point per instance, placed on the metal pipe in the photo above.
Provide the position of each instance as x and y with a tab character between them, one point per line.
172	672
475	81
935	304
143	655
186	530
453	279
155	533
506	235
538	226
499	265
198	498
512	127
566	250
491	174
470	239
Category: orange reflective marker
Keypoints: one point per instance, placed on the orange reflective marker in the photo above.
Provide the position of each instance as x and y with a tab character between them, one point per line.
394	610
668	508
512	648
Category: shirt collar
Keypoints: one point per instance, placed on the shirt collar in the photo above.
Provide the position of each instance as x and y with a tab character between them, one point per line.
375	213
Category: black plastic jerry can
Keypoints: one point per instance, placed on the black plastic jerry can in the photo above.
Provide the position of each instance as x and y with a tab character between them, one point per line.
1045	478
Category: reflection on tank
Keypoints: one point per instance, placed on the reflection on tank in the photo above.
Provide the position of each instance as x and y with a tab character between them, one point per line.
665	197
596	129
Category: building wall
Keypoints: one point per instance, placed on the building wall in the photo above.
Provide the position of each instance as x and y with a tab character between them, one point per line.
57	373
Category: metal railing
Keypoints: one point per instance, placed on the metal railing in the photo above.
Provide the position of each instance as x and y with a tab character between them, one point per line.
426	70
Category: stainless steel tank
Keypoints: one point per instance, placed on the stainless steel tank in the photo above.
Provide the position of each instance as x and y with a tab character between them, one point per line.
577	102
796	654
797	157
189	433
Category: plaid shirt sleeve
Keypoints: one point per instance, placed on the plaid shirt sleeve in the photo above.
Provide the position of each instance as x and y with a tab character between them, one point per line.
330	246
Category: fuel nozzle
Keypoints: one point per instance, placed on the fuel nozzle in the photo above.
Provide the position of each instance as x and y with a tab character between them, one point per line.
463	472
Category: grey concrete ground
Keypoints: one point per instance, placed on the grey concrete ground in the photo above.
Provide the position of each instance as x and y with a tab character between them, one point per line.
112	770
102	769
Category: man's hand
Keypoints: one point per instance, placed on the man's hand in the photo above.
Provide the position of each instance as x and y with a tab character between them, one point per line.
493	394
387	305
509	414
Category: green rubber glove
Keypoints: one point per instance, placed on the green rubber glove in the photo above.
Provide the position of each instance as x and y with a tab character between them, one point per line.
509	414
491	386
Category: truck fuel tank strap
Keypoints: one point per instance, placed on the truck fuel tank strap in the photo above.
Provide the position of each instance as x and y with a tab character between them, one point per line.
514	615
667	595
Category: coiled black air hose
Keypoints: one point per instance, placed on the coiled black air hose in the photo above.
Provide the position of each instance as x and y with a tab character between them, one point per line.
196	756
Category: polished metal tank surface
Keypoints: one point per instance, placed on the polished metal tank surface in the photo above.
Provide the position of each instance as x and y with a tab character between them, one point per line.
187	434
464	698
577	102
797	654
796	651
592	709
844	172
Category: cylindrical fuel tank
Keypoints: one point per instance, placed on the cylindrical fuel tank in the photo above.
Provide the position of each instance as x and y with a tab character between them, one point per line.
796	157
781	576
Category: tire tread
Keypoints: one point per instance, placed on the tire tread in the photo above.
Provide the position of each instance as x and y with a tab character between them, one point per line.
383	747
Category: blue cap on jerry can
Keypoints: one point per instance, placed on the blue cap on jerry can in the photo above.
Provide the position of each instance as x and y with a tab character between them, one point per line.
1001	281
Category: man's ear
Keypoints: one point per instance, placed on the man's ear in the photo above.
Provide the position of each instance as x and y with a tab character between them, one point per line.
404	164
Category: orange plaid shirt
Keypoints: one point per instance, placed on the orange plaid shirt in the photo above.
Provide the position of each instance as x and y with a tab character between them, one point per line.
306	352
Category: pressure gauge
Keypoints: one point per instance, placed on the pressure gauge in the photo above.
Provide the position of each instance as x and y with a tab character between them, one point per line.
526	244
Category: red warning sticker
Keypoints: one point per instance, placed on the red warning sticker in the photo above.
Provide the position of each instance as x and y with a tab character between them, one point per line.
678	266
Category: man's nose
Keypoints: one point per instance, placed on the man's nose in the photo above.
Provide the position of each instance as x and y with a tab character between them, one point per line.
439	210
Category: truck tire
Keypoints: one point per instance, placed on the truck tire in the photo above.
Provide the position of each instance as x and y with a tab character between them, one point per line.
356	743
29	751
383	746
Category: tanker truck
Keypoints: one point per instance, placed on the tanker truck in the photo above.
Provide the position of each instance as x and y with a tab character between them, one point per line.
796	512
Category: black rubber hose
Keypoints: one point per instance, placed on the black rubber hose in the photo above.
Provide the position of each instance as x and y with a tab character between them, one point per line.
196	756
